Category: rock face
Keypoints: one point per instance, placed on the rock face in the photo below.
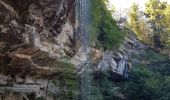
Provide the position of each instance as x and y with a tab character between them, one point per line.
118	61
35	35
34	32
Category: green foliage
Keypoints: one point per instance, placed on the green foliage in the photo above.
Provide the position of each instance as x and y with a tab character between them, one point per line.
145	84
155	14
138	24
154	27
150	56
167	20
167	17
154	56
134	19
104	88
135	89
66	79
103	27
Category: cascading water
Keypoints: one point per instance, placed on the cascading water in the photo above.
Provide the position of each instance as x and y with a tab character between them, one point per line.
82	19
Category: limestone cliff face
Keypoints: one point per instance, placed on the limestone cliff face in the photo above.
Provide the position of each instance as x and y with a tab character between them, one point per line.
33	35
37	35
118	61
31	29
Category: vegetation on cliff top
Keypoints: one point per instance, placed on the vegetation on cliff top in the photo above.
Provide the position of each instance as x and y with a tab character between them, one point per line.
104	28
152	25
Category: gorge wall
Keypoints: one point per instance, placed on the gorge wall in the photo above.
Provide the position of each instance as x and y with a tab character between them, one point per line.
38	38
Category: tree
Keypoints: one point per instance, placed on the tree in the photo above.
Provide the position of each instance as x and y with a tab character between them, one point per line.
134	20
154	12
144	84
145	34
138	24
166	21
167	17
104	27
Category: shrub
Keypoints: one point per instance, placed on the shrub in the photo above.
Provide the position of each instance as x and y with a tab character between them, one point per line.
66	79
105	88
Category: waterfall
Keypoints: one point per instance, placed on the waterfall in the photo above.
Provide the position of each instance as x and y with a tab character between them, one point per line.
82	19
86	84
